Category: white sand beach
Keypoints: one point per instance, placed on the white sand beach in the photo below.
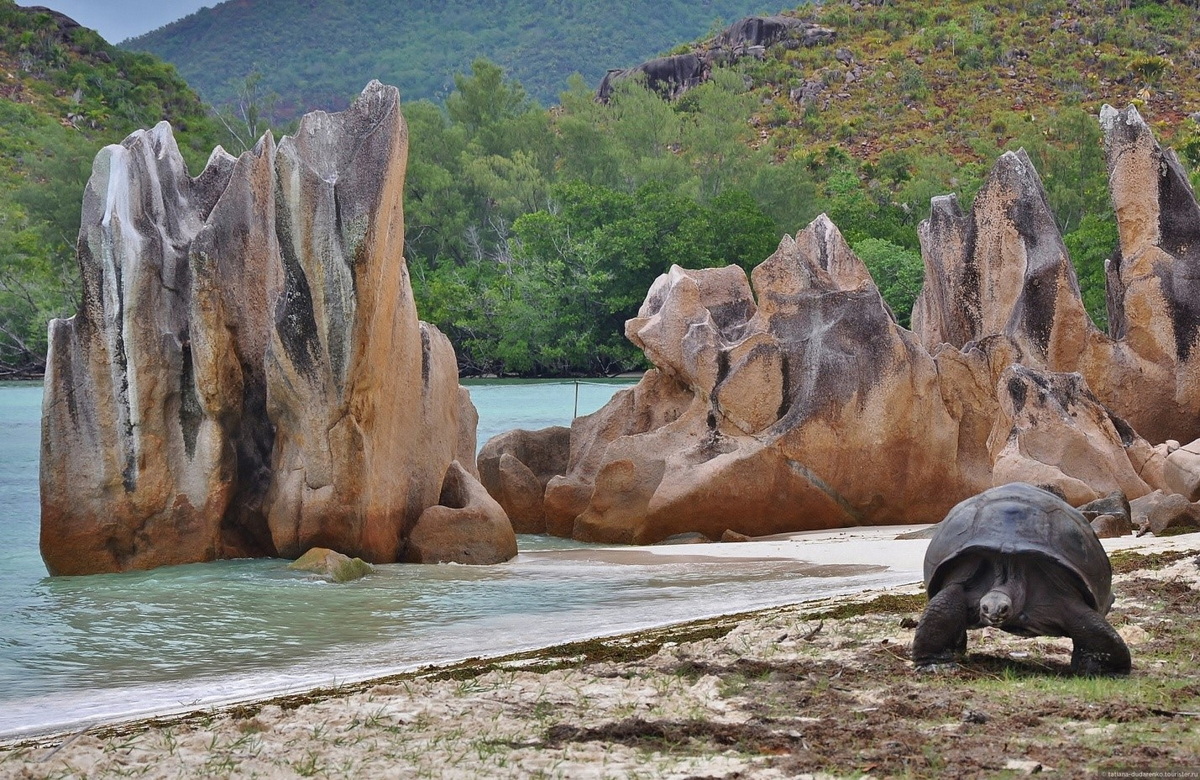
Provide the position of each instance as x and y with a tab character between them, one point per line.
692	700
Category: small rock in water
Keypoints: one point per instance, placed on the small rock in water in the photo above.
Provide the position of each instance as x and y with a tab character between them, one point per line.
688	538
332	565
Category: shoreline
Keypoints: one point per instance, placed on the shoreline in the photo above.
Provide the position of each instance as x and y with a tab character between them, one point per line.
592	708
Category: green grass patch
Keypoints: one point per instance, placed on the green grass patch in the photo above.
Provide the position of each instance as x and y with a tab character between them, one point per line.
887	604
1129	561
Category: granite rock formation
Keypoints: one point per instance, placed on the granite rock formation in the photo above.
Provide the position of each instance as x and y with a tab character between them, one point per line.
466	526
246	375
515	468
792	400
671	76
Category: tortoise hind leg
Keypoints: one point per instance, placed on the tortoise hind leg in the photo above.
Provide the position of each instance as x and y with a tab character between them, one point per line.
1099	649
942	632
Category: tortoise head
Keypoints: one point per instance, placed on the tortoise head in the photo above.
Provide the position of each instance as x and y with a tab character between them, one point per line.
1003	602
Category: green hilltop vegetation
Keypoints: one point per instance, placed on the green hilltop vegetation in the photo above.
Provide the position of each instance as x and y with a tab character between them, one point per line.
320	53
533	234
64	94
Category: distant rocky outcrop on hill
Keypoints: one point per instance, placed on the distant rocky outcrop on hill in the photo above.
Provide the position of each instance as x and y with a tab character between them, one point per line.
672	76
792	400
246	375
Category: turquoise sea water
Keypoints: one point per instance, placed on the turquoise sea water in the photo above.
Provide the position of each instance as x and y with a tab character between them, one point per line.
79	650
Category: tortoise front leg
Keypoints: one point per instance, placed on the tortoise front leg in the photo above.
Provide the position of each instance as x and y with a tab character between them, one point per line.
942	632
1099	649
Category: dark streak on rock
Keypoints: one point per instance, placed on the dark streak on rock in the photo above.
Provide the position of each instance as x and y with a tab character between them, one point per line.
426	347
295	321
1018	392
1179	226
1124	430
190	412
1041	292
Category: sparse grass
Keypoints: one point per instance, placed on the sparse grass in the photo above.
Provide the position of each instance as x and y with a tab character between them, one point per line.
887	604
1129	561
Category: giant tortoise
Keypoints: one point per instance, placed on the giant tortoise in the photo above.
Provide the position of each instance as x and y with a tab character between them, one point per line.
1023	560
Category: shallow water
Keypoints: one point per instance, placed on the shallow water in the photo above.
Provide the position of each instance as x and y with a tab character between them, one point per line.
76	650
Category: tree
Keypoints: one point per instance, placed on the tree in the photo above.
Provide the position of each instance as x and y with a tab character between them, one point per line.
249	115
898	273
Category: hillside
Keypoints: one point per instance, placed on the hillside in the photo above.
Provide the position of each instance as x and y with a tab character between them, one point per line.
65	94
320	53
962	80
533	236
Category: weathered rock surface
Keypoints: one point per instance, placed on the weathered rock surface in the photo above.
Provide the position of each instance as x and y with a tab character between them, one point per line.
791	400
1181	471
466	526
1112	526
1003	270
669	76
1060	436
768	30
515	468
1115	504
1160	512
332	565
135	471
246	374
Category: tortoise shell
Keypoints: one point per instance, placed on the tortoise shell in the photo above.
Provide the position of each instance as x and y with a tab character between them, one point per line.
1021	519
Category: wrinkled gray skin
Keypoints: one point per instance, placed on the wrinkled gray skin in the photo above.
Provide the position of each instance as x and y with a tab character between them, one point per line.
1024	593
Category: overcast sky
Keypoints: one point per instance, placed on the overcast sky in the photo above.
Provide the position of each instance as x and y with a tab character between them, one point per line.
117	20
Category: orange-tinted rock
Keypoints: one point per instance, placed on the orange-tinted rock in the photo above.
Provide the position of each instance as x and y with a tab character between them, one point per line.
247	375
1051	431
516	466
136	469
466	526
797	402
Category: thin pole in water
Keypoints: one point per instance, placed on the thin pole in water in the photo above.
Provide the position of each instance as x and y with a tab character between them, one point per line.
576	413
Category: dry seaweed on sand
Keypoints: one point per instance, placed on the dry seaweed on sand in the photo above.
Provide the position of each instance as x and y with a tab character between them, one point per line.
825	688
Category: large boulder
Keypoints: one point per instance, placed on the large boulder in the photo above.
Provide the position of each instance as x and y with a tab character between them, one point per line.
1181	471
135	467
466	526
1051	431
515	468
1161	513
792	400
246	375
668	76
767	31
